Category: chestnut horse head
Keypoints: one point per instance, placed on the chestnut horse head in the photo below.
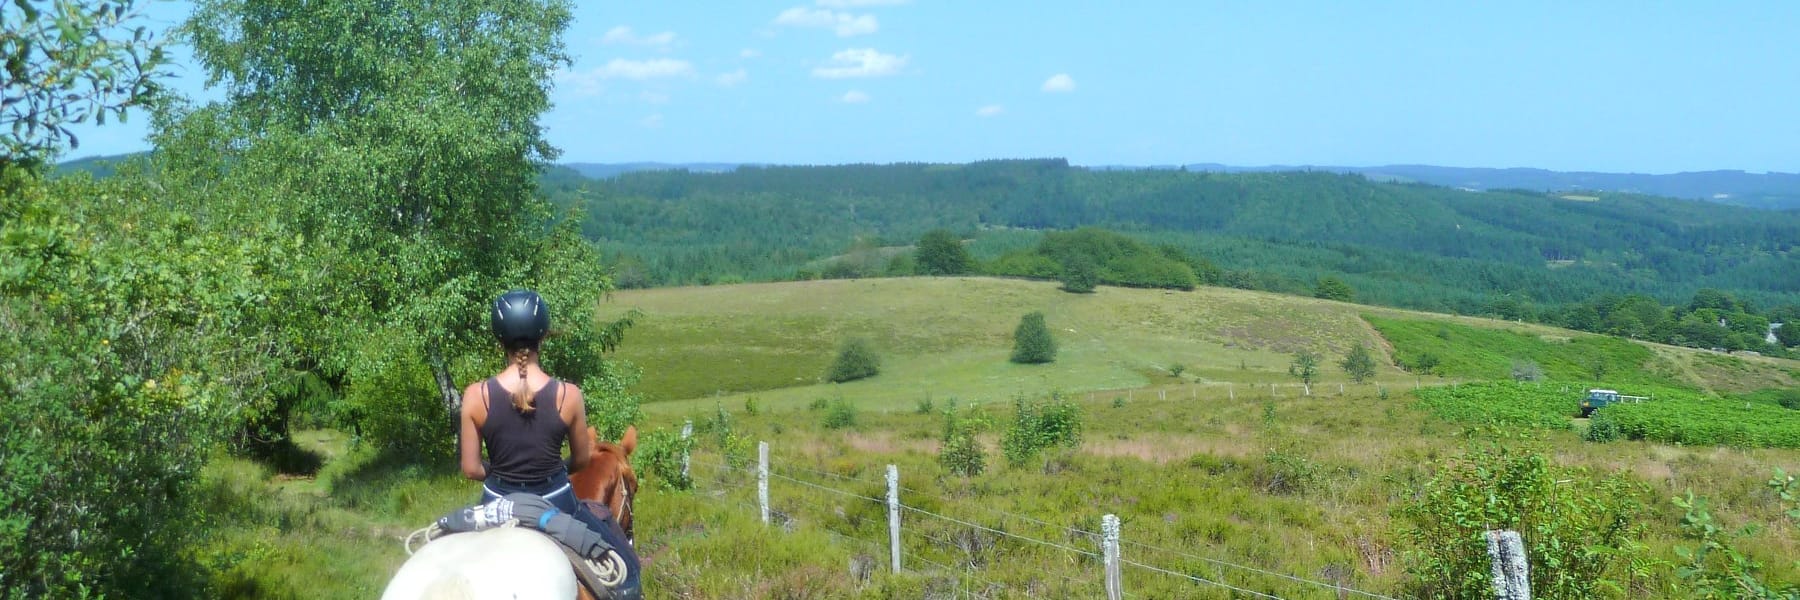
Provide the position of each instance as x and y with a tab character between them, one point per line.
608	478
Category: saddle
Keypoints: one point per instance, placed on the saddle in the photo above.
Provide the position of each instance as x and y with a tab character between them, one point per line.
600	566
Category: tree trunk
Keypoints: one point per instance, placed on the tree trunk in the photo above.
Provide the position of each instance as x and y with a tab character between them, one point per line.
447	392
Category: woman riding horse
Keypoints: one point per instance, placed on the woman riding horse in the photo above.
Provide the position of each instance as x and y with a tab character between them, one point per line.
524	433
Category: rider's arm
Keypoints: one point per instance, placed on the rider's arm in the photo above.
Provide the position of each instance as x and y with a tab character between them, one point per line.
468	439
581	445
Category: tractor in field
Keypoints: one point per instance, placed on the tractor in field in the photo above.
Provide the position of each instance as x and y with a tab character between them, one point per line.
1598	398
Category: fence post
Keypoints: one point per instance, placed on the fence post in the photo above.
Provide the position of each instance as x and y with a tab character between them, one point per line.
1162	394
1307	387
1511	572
1232	389
687	431
1340	389
1109	548
893	478
762	478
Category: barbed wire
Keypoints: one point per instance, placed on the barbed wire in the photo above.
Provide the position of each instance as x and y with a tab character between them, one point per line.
992	530
1262	571
1003	513
828	489
1197	579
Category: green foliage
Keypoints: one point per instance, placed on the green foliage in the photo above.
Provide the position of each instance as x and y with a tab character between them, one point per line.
839	414
1358	364
1305	366
1080	275
855	360
659	454
1675	418
1577	528
1176	369
1330	287
1456	350
1602	428
1716	569
941	252
925	406
1502	404
1526	370
961	452
1032	343
67	62
1039	425
134	343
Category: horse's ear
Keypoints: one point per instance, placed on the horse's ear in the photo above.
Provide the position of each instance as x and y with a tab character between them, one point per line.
629	442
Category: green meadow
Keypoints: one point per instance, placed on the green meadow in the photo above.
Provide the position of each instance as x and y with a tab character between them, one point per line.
1228	472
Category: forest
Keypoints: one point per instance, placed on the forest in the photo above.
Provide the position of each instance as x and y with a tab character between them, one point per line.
1662	269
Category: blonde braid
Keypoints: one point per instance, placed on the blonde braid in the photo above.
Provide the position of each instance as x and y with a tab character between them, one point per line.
521	396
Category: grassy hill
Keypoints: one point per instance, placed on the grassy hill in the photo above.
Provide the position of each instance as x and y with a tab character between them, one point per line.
951	336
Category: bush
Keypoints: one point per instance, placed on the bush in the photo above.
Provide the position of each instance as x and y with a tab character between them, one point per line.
659	454
1038	425
1789	399
1601	428
1032	343
856	360
839	414
961	452
1358	364
1576	534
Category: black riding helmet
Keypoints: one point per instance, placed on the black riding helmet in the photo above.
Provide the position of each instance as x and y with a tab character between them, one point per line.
520	318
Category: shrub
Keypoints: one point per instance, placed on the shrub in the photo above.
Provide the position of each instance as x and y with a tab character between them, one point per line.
1038	425
1305	366
961	453
925	407
1032	343
659	454
1575	532
1602	429
1526	370
839	414
1358	364
856	360
1789	399
1175	370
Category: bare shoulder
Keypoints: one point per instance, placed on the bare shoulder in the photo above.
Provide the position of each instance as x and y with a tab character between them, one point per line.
471	393
573	403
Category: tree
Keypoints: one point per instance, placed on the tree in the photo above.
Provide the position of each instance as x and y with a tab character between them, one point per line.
942	253
1032	343
855	360
1305	366
66	62
1788	334
1080	274
1332	288
1358	364
408	129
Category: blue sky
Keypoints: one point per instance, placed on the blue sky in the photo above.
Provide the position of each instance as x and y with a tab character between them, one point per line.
1601	86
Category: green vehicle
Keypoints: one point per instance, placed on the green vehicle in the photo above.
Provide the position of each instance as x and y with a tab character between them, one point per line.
1597	399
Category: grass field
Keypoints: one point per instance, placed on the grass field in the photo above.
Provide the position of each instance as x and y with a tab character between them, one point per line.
1229	462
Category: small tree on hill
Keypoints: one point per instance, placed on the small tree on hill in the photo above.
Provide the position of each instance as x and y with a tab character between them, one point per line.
1358	364
856	360
1032	343
1305	366
1080	274
1332	288
942	253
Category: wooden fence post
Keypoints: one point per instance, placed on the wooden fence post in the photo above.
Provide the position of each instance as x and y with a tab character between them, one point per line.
1232	389
762	478
687	431
1511	572
1307	387
1109	547
1162	394
893	480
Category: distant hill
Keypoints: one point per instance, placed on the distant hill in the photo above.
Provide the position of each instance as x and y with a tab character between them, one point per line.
608	170
1778	191
1403	244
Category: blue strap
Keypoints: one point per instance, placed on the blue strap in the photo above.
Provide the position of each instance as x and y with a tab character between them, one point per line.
544	521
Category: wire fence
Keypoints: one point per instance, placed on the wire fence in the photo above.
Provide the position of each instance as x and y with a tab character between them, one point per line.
961	546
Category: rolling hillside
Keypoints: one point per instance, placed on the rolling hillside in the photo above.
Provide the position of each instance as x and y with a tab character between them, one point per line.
949	337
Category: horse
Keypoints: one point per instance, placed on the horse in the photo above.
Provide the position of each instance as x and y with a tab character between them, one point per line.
518	562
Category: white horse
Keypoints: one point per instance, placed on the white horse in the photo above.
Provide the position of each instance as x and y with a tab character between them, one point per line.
504	562
518	563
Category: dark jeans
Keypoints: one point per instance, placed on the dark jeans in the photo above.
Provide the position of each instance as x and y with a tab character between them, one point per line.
556	489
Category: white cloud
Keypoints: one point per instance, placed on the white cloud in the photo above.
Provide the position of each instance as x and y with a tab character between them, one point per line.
854	97
624	35
860	62
1058	83
845	24
584	84
749	53
991	110
649	97
620	68
732	78
654	121
858	3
